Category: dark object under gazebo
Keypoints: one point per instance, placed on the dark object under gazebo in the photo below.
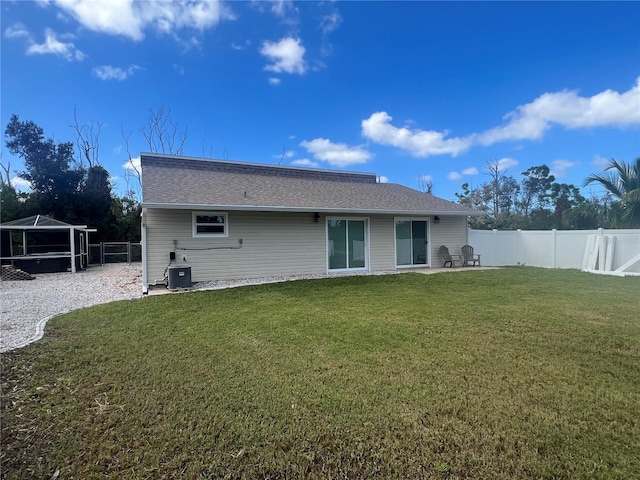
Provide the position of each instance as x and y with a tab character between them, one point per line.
40	244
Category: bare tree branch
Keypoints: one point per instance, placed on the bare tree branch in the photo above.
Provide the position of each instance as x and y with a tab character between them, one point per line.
493	171
425	184
132	171
6	170
87	141
204	141
162	134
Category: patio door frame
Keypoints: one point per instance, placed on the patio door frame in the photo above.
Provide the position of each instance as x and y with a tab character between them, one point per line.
427	239
366	244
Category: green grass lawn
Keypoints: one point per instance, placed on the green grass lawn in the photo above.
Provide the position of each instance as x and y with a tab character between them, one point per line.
519	373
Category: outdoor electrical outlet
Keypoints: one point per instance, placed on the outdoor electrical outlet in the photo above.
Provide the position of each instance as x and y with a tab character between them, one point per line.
240	241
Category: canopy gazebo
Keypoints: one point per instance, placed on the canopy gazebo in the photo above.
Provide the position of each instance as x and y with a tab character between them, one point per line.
40	244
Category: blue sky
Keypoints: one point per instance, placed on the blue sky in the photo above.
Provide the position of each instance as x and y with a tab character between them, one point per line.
401	89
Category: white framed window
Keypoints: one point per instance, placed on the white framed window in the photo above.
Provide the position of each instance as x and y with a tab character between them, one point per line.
210	224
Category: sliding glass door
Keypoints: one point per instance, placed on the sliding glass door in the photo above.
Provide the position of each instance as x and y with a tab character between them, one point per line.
347	244
412	242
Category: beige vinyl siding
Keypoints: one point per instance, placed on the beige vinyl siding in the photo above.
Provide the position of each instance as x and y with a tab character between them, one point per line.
272	244
382	243
451	232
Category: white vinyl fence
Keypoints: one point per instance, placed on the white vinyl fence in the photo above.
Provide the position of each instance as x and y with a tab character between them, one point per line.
560	248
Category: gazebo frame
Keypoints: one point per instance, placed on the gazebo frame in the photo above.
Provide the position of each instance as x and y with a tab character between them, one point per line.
78	250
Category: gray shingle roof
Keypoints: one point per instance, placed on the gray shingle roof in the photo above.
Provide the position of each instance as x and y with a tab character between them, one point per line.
182	182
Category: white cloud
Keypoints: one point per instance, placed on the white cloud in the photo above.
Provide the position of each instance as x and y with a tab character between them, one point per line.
129	18
527	122
289	153
118	17
20	184
506	163
133	164
17	30
286	56
107	72
459	175
187	43
503	165
280	8
240	46
330	22
305	162
568	109
336	154
559	167
318	65
600	162
54	46
419	143
283	9
274	81
285	154
383	179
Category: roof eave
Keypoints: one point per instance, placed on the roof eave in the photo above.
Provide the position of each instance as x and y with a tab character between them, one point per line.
48	227
284	208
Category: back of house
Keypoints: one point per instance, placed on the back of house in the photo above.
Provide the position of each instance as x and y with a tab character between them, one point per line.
230	220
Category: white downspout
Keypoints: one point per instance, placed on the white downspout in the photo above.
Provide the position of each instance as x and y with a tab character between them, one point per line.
143	241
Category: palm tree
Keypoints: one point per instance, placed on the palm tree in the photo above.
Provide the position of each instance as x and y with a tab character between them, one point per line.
622	183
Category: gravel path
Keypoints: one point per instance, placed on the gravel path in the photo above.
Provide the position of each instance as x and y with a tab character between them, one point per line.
28	304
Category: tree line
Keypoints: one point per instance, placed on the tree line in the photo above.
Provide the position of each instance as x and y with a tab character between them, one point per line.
73	189
539	202
68	181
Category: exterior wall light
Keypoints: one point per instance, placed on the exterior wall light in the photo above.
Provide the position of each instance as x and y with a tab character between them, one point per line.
436	219
316	217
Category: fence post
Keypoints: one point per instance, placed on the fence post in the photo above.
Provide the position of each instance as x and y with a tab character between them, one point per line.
554	235
520	262
129	253
602	249
101	253
495	242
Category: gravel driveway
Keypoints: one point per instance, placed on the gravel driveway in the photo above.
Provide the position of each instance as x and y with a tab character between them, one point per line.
28	304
